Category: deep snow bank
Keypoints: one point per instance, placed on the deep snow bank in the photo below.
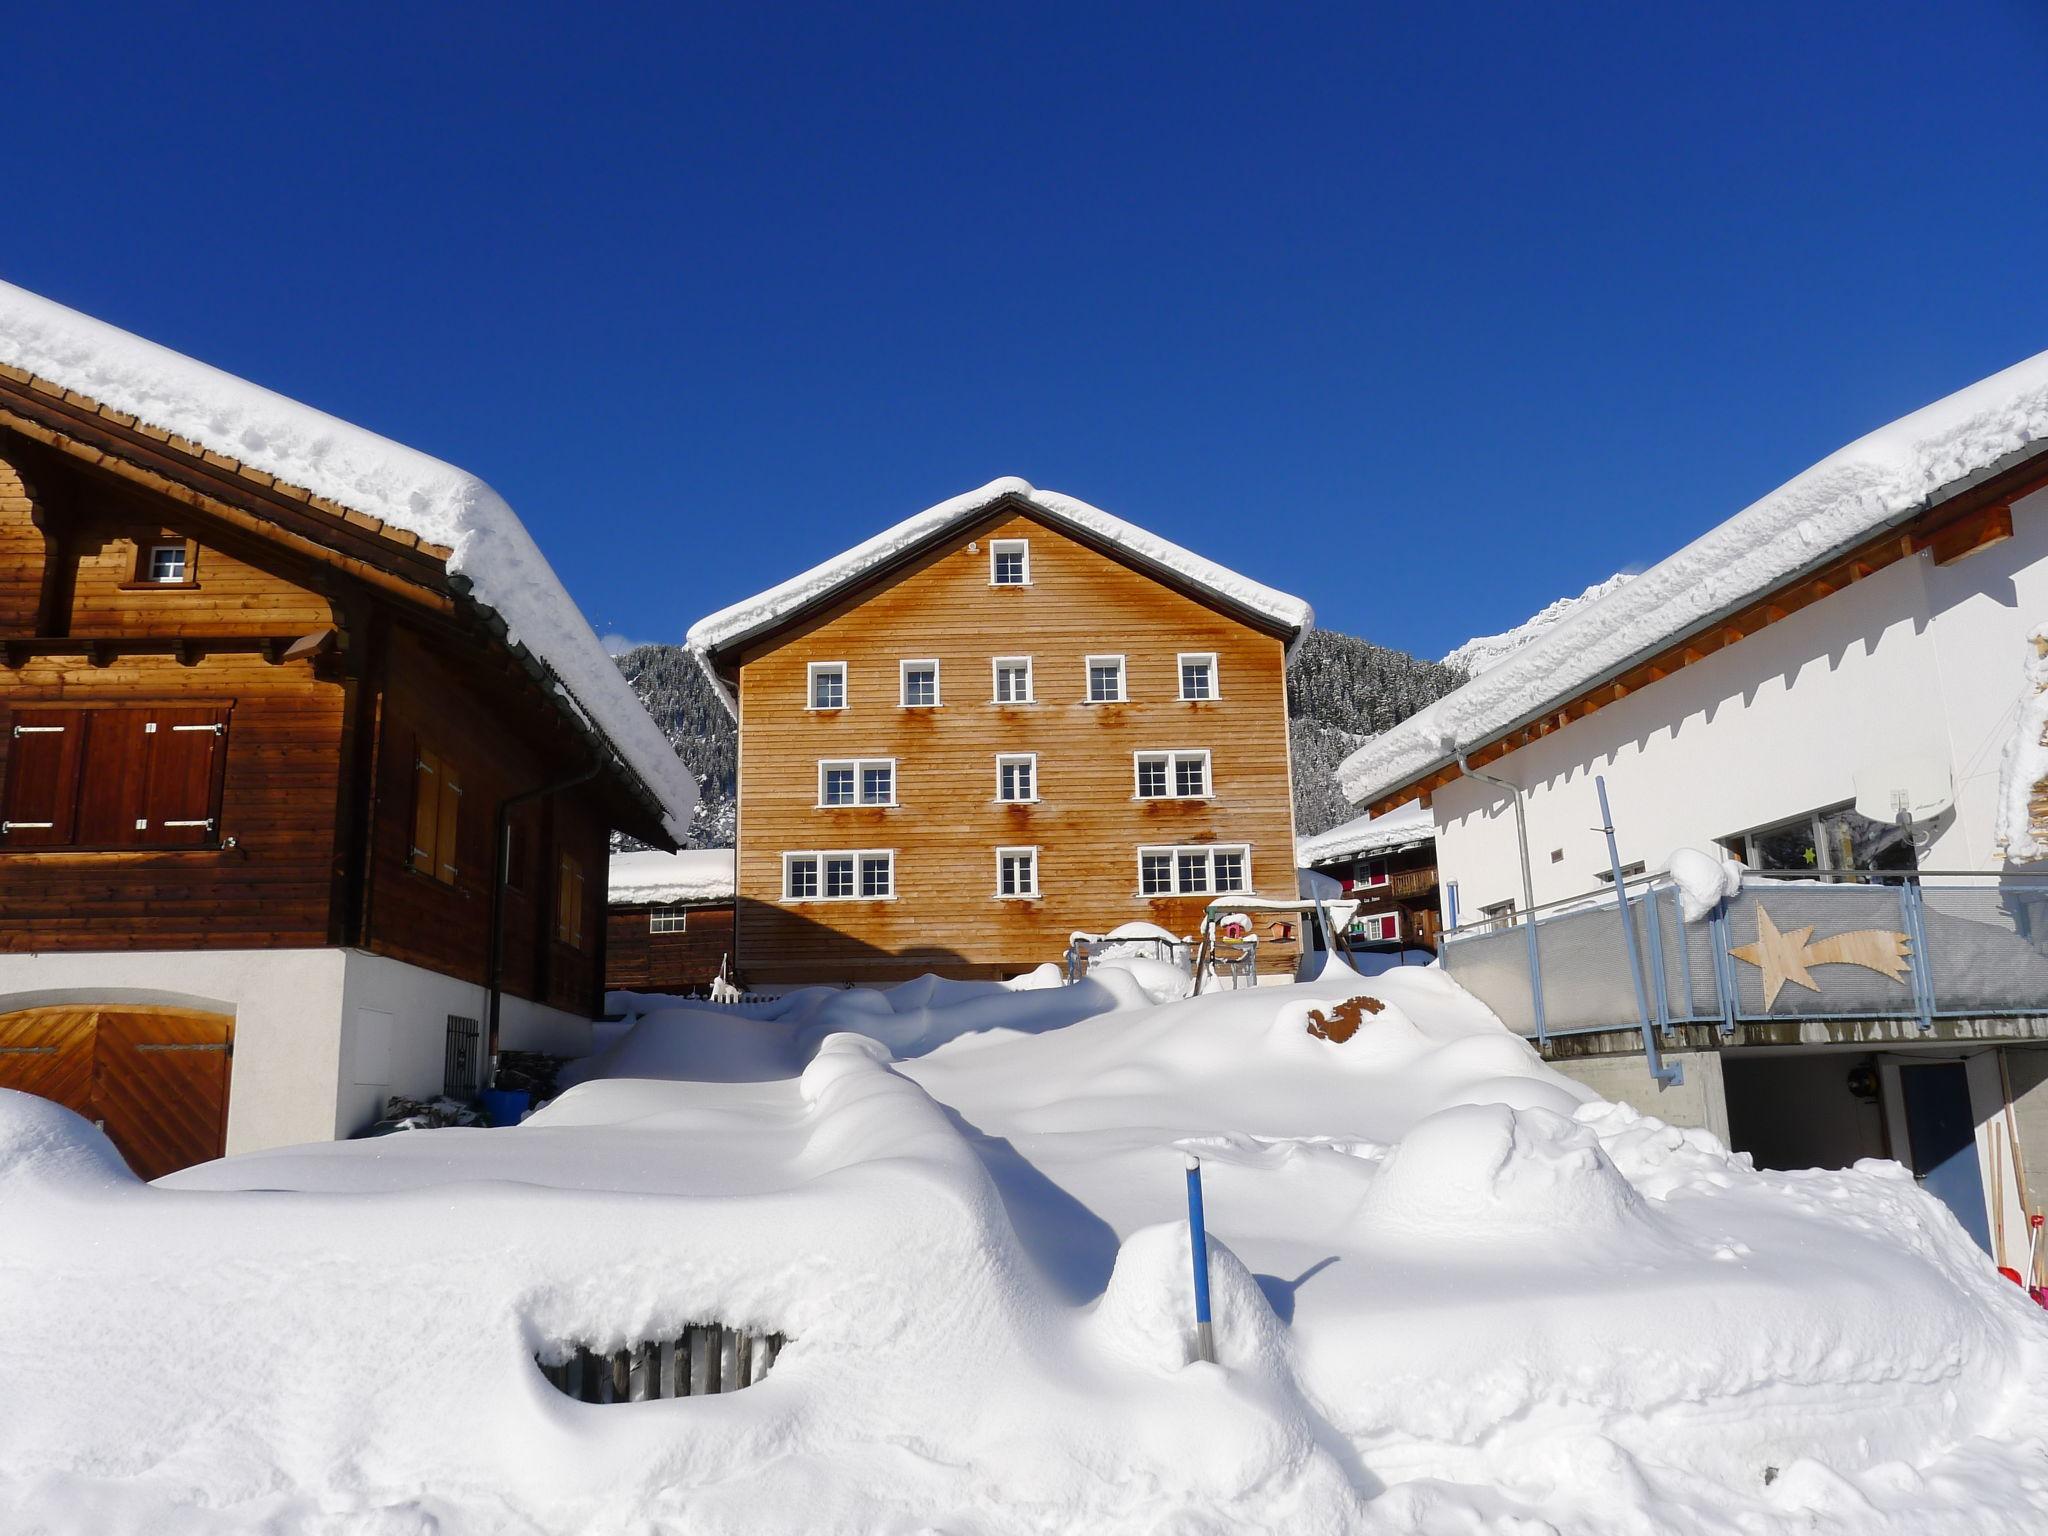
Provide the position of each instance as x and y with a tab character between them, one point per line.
1453	1294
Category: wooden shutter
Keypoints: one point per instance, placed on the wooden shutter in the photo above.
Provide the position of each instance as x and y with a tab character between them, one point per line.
426	811
569	902
448	826
44	750
110	797
186	750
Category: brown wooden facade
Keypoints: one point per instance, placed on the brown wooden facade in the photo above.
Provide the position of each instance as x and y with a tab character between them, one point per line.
682	958
1086	821
1401	882
216	697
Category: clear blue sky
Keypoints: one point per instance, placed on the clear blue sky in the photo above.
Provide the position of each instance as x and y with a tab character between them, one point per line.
1428	313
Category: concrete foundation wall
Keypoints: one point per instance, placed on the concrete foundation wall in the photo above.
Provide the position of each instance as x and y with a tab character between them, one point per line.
1698	1103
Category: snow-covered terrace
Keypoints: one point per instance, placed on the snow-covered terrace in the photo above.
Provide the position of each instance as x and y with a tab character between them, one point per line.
1848	498
490	553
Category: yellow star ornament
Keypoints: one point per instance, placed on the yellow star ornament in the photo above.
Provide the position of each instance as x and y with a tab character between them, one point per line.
1780	956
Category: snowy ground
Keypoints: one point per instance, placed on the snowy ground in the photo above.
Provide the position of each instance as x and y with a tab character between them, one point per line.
1451	1297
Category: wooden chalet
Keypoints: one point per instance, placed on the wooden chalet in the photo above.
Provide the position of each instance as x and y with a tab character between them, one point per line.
1008	719
1387	865
669	921
256	751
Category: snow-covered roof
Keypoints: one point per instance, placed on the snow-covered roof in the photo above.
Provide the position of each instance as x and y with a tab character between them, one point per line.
1406	826
779	603
1851	495
650	876
1482	652
357	469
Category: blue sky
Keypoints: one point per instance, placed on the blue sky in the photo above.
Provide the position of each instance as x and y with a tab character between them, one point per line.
1427	313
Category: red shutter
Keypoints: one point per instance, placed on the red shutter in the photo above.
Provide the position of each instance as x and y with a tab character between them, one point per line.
43	754
180	798
110	783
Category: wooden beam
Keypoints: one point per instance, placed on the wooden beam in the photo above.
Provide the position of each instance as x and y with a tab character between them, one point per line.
1960	540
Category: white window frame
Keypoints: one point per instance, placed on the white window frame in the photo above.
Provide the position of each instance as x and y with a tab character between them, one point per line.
1123	680
1181	677
1172	758
668	919
1009	759
1174	853
1387	923
860	766
995	678
1376	876
860	856
184	554
811	686
903	682
1010	853
1008	547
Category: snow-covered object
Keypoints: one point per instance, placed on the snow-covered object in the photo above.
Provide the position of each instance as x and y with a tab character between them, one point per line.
1486	651
778	603
1405	826
1852	495
355	468
649	876
1704	881
1453	1293
2025	764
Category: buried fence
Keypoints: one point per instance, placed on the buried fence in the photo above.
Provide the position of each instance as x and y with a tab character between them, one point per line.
701	1360
1854	945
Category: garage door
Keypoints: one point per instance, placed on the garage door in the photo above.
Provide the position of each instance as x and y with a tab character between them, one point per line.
155	1079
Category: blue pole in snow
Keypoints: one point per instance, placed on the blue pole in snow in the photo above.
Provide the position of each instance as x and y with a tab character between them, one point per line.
1198	1242
1674	1073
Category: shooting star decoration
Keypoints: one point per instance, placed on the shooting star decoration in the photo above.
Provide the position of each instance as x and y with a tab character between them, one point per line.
1784	957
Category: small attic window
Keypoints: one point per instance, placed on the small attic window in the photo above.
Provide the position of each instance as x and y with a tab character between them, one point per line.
1009	563
166	563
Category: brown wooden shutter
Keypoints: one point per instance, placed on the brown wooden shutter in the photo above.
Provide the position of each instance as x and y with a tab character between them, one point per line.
426	811
448	825
181	785
110	797
569	902
44	749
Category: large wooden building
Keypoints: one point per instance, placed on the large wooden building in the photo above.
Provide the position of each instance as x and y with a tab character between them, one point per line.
1006	719
260	744
668	921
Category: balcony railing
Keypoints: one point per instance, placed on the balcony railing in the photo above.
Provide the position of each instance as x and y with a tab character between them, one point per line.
1856	944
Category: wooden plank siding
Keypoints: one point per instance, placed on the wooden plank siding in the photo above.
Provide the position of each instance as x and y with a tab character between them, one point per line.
316	790
945	829
638	960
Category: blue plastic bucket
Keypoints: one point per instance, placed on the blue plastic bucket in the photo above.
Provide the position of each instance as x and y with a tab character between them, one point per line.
504	1106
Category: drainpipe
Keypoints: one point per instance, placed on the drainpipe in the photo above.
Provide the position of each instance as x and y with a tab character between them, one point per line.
1528	892
501	840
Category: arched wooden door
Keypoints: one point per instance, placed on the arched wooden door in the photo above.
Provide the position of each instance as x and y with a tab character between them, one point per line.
155	1079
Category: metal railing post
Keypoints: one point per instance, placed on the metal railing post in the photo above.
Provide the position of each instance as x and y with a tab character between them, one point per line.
1724	970
1654	934
1673	1074
1913	918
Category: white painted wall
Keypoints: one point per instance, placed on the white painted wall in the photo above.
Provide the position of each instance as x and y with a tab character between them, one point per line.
322	1036
1917	658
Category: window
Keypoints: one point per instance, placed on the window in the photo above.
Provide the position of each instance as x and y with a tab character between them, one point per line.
827	685
668	920
1198	676
1172	775
436	816
1016	776
920	684
1372	874
1016	873
114	778
1194	871
1013	680
1628	872
860	874
569	901
167	563
1832	840
1379	927
1105	679
857	781
1499	915
1009	563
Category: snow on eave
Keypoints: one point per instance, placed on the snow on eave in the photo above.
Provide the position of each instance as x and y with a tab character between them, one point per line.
719	631
1407	826
647	877
1881	479
499	566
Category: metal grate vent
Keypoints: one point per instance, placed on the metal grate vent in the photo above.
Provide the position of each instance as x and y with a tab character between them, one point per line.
704	1359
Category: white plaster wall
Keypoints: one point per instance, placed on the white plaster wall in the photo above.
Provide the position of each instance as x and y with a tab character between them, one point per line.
1917	658
310	1063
